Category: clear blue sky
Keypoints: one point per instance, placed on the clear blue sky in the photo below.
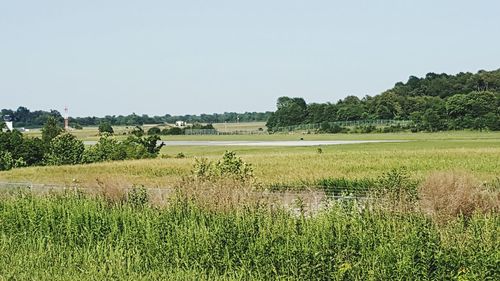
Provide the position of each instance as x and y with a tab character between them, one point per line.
179	57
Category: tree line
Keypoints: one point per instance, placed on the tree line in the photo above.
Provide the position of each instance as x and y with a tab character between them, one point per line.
434	102
23	117
58	148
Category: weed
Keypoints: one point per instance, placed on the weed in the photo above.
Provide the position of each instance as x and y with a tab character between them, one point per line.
138	196
397	186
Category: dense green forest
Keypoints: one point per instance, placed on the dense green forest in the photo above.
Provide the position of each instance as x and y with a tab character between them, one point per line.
23	117
435	102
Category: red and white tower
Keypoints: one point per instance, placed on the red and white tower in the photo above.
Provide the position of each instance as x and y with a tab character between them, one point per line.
66	121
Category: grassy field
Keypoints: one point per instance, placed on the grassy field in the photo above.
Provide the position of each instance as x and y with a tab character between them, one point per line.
475	153
228	232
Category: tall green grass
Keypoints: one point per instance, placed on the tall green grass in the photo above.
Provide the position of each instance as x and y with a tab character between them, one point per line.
69	237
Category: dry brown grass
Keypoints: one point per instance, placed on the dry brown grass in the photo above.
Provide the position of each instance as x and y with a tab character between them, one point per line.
111	188
228	194
449	194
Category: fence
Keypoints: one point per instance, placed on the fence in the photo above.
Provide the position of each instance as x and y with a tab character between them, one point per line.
316	126
216	132
274	190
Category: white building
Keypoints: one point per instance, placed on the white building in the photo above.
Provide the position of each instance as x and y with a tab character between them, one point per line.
8	122
180	124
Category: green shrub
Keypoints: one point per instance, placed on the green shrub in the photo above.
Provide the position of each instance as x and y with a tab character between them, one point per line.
65	149
399	186
7	162
230	166
154	131
138	196
105	128
106	149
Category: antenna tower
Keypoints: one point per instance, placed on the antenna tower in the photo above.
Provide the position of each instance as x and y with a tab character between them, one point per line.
66	121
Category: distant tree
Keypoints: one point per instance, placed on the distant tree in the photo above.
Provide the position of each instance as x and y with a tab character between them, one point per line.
151	144
142	147
77	126
173	131
50	130
138	131
154	131
105	127
431	120
290	111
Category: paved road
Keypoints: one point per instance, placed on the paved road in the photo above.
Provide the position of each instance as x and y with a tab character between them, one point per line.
264	143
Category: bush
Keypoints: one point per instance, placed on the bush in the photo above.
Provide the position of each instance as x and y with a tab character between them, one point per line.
77	126
106	149
397	186
173	131
138	196
65	149
105	128
138	131
230	166
154	131
7	162
327	128
23	150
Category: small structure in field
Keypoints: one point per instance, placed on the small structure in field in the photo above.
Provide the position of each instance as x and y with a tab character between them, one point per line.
8	122
180	124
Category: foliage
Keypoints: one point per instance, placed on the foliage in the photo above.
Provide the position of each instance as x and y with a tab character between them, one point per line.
65	149
230	166
50	130
434	103
7	162
105	127
331	129
138	196
109	149
23	117
149	143
138	131
23	151
77	126
290	111
154	131
398	186
172	131
106	149
66	238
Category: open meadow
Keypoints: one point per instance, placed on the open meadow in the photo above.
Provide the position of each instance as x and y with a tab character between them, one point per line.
421	153
439	221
